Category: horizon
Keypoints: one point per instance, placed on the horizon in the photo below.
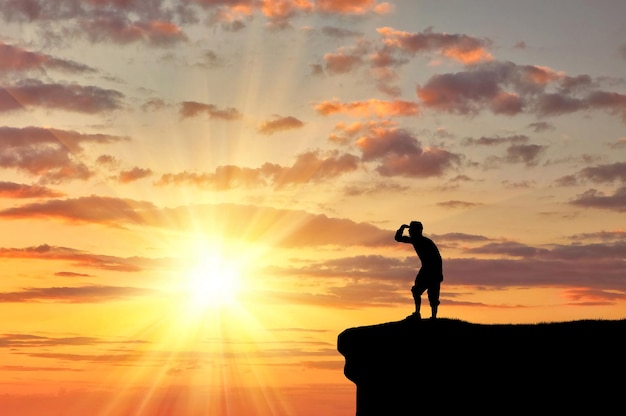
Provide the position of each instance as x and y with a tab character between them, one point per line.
198	196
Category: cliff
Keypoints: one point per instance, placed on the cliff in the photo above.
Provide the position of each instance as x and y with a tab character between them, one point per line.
415	367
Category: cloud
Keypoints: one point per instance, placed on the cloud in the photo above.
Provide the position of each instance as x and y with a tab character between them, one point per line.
462	48
346	59
193	109
76	257
527	154
119	29
34	368
38	341
540	126
455	204
233	221
356	7
133	174
68	97
338	32
375	188
589	297
279	124
98	21
597	267
396	48
601	235
80	294
491	141
401	154
71	274
510	89
593	198
18	191
14	58
367	108
309	167
50	154
279	13
90	209
605	173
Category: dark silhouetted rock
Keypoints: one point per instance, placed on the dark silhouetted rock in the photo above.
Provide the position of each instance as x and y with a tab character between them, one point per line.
448	366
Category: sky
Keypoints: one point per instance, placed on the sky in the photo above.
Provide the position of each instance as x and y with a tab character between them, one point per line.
198	196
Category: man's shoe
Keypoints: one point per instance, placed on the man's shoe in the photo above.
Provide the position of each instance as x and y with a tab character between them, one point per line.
414	316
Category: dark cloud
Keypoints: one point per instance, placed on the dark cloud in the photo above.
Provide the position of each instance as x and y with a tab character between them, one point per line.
540	126
279	124
527	154
338	32
605	173
490	141
68	97
51	154
593	198
510	89
14	58
383	281
194	109
400	154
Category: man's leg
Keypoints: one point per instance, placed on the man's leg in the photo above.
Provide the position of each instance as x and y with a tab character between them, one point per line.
417	297
418	288
433	298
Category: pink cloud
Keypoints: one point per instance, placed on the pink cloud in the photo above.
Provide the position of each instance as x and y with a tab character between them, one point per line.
91	209
76	257
13	58
341	62
356	7
119	29
400	154
18	191
368	108
48	153
462	48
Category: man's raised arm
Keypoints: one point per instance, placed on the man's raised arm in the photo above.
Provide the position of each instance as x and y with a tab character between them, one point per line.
402	238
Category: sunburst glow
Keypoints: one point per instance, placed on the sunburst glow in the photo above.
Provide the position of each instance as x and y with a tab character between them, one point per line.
213	281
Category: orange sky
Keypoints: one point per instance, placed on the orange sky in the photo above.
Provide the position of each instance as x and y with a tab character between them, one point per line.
198	196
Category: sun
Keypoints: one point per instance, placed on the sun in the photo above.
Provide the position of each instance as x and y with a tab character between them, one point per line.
213	281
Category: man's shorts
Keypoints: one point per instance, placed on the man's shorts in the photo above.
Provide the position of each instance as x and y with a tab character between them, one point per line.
431	283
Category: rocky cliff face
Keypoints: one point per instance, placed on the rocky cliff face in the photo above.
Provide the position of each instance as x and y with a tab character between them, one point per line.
449	366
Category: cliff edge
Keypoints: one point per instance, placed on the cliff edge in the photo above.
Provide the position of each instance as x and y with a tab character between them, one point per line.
413	367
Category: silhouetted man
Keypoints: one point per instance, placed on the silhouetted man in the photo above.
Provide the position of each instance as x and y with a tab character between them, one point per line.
430	275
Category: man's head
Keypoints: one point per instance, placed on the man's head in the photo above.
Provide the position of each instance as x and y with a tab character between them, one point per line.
415	228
